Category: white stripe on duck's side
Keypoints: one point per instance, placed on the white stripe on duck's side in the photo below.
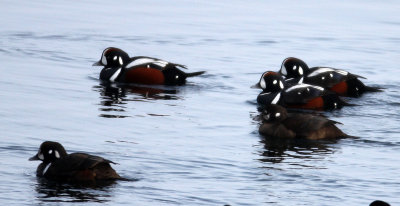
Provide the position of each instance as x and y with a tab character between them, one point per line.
140	61
299	86
326	69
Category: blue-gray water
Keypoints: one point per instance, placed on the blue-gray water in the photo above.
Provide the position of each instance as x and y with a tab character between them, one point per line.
197	144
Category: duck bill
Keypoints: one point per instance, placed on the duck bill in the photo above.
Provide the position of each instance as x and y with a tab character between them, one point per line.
34	158
98	64
256	86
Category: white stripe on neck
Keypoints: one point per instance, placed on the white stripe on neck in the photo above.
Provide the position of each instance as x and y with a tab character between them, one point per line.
115	75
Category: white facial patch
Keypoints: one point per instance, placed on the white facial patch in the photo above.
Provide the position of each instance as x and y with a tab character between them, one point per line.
263	85
120	61
50	151
294	68
103	60
277	115
276	99
115	75
46	168
57	154
40	156
275	82
176	77
115	58
323	78
281	84
300	70
331	75
283	70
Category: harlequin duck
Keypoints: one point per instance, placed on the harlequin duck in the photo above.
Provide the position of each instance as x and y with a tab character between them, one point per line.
281	124
342	82
302	96
76	167
119	67
379	203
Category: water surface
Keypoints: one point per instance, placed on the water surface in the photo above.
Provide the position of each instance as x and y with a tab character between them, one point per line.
197	144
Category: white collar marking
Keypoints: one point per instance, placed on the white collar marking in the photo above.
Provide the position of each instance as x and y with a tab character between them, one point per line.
46	168
276	99
115	75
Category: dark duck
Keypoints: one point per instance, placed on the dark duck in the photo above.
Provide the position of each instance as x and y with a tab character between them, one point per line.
342	82
277	122
119	67
301	96
76	167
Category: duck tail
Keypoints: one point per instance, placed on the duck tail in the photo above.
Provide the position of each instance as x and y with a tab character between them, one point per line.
193	74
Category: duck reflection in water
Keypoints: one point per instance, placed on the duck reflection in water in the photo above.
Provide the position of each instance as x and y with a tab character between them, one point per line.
114	96
52	191
276	150
295	135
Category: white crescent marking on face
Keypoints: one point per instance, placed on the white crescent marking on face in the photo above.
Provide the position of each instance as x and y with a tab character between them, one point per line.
276	99
281	84
283	70
57	154
46	168
115	75
263	85
300	70
120	61
103	60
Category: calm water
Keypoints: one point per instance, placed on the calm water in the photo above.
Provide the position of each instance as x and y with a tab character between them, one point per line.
197	144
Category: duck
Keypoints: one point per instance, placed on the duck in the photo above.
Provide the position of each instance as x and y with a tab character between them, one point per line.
278	123
302	96
119	67
379	203
339	81
75	167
